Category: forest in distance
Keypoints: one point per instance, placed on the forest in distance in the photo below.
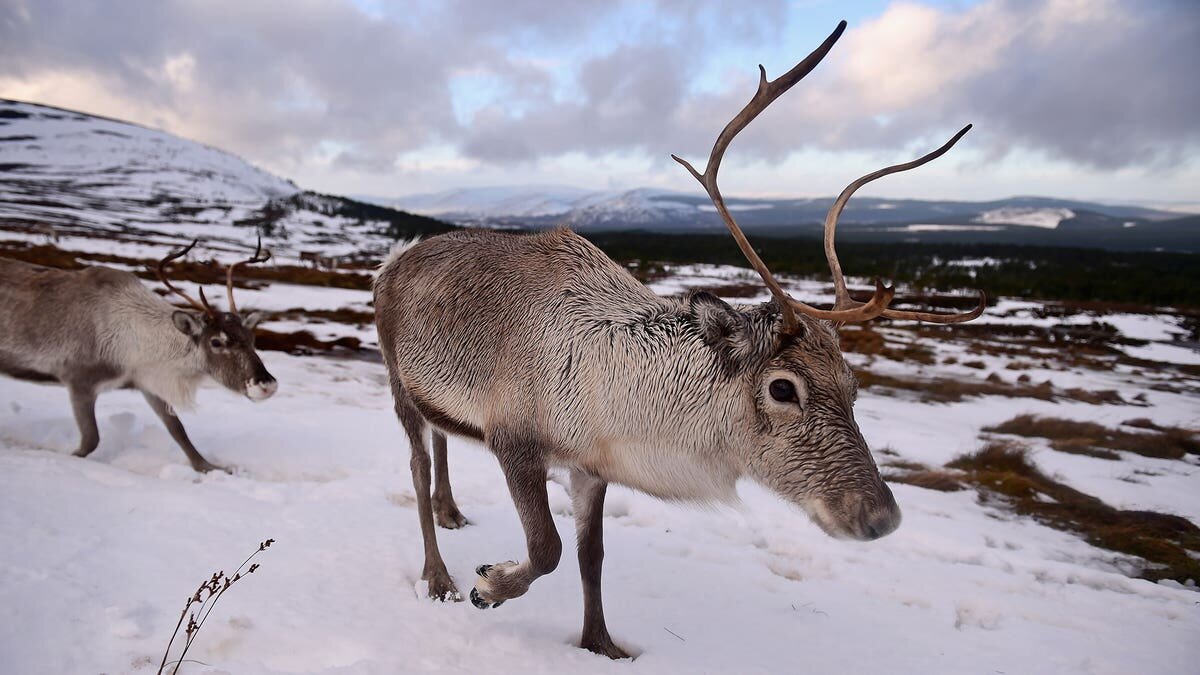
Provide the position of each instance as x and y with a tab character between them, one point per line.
1162	279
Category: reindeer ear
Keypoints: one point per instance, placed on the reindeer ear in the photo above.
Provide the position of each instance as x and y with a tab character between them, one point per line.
188	323
718	320
251	320
726	330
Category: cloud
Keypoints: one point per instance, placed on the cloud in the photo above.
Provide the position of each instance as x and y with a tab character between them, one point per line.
1102	84
1099	83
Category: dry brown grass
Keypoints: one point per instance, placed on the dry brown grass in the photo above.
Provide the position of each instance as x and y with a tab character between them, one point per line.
345	315
949	390
863	339
930	479
1097	440
199	272
302	342
1169	544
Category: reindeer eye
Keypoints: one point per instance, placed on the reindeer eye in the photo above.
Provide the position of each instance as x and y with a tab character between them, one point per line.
783	391
216	344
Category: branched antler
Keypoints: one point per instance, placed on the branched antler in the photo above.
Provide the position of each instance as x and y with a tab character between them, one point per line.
844	310
201	304
260	256
835	268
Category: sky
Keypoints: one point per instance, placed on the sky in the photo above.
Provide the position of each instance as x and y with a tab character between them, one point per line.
1087	99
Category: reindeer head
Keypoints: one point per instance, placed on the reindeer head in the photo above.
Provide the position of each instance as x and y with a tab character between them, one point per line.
226	339
802	440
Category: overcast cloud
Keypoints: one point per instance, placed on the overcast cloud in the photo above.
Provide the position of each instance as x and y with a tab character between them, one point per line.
342	93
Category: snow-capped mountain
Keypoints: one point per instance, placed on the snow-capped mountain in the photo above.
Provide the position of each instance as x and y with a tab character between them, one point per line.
78	173
1034	220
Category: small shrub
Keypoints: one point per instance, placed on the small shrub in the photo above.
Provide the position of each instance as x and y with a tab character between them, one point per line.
204	600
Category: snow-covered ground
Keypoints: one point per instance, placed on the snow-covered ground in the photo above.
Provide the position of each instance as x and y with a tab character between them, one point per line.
99	554
1048	218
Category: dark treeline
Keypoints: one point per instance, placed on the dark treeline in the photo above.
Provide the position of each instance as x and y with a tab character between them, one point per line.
1050	273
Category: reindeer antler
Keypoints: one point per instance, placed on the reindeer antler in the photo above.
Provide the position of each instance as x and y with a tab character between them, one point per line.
844	310
839	280
202	304
259	256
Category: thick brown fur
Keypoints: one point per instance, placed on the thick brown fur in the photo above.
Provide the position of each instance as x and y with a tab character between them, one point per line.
98	328
554	355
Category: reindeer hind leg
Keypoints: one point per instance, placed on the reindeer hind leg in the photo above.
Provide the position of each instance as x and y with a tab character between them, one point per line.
444	508
441	586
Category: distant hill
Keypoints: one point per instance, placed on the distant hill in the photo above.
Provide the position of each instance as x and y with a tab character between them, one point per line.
1016	220
84	173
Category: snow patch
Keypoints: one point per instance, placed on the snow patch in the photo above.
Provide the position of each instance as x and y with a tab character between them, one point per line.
1047	218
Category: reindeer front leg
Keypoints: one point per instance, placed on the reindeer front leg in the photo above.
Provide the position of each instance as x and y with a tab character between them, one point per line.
524	466
175	427
587	496
83	404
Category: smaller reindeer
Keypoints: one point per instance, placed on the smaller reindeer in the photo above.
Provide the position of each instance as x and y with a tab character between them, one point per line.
98	329
46	230
319	260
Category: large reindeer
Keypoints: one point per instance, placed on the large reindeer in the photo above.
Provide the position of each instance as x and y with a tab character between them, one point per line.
98	329
553	355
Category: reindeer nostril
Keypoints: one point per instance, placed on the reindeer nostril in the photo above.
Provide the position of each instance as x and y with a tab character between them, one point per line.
258	390
881	521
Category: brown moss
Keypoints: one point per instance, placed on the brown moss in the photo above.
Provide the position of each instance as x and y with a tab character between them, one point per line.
930	479
861	339
302	342
345	315
1099	441
737	290
186	270
1083	446
1169	544
948	390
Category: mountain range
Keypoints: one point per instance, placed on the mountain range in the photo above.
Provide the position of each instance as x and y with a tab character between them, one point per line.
1030	220
94	175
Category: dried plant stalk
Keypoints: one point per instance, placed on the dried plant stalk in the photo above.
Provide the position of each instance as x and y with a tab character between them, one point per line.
204	600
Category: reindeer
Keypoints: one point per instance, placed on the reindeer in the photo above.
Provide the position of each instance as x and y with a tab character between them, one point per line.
98	329
553	355
47	231
320	260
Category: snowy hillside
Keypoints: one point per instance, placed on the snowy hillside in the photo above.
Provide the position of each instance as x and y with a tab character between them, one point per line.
88	175
100	553
61	167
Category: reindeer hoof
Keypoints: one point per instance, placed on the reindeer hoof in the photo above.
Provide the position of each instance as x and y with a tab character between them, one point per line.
479	602
207	466
442	588
448	516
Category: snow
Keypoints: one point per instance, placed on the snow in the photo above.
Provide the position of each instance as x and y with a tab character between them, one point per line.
937	227
1048	218
78	172
100	552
